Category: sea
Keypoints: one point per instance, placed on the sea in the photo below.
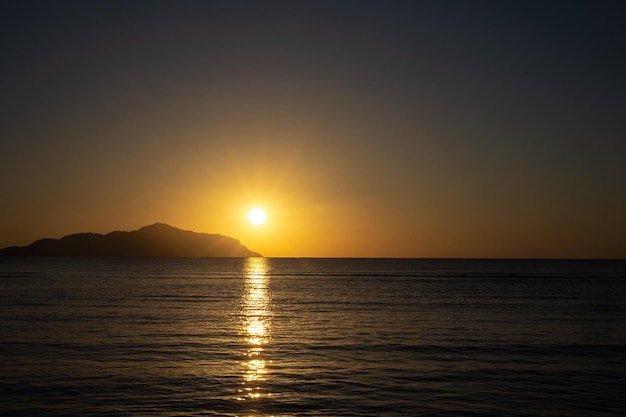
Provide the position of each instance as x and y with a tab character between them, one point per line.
312	337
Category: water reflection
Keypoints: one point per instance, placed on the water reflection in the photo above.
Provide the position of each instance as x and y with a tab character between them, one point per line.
256	320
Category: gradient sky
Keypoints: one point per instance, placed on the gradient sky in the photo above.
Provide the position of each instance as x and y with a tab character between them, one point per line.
365	128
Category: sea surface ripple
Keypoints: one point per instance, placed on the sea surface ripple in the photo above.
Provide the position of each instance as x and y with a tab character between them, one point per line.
311	337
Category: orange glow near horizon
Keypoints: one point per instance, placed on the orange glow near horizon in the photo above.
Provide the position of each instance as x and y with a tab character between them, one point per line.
276	182
312	214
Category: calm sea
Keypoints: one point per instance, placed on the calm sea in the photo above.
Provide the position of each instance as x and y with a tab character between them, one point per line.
312	337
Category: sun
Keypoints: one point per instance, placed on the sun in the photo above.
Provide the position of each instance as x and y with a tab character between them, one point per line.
257	216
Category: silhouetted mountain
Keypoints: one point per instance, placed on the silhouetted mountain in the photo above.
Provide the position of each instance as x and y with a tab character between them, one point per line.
156	240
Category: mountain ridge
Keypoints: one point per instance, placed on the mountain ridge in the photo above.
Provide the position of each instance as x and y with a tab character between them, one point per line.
156	240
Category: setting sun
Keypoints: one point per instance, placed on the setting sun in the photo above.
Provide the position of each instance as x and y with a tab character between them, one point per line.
257	216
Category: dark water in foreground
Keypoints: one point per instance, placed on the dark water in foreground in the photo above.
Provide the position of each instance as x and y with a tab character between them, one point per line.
312	337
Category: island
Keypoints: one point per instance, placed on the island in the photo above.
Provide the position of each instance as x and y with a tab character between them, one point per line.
157	240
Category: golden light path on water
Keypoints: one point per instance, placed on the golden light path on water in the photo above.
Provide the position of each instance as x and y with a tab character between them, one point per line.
256	323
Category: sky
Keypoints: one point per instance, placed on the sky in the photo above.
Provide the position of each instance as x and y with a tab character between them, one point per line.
363	128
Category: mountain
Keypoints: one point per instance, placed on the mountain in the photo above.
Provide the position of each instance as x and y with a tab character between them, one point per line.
155	240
